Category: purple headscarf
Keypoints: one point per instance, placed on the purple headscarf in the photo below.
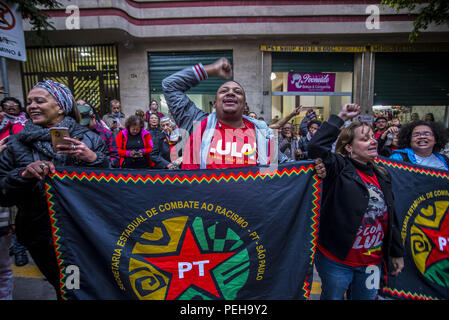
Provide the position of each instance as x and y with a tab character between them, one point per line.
60	92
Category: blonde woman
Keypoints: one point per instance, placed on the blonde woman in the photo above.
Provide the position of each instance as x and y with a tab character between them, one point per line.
357	196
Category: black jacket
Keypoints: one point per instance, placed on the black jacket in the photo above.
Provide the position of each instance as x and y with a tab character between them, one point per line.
161	151
345	197
32	221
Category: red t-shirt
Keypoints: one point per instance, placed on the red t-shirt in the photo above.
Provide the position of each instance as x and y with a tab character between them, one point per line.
229	147
367	247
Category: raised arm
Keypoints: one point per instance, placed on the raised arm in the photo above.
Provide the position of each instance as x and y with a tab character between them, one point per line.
321	144
175	86
183	110
286	119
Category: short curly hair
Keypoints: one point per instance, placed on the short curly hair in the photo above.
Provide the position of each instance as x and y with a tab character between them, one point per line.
12	99
440	133
134	120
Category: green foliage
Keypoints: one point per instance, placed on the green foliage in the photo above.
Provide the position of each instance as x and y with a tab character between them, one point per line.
432	11
33	11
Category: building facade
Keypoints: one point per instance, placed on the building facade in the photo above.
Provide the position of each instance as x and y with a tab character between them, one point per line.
320	54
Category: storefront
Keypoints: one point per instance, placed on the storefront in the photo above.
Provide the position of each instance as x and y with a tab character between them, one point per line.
411	85
318	77
400	81
163	64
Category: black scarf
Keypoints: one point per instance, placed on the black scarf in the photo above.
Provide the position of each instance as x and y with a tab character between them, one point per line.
40	137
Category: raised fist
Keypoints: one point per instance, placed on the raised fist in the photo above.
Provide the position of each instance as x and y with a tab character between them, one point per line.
349	111
221	68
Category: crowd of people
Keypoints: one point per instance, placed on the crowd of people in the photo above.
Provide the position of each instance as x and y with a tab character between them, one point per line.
232	136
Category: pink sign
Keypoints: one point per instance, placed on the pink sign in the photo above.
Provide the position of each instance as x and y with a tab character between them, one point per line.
311	82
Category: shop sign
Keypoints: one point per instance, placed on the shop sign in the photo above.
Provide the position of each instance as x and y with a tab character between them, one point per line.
409	48
311	82
12	41
293	48
365	118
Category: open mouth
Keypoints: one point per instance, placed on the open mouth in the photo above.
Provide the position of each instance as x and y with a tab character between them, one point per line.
229	101
34	115
422	143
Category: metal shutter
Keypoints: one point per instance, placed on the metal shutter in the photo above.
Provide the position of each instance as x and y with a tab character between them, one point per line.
411	79
163	64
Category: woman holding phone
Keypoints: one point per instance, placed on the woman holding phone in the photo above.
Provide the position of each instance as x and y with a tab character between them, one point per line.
30	156
134	145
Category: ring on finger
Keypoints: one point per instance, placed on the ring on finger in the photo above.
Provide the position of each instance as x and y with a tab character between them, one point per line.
73	146
43	165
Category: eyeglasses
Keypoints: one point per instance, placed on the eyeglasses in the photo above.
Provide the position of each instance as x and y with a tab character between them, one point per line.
424	134
10	105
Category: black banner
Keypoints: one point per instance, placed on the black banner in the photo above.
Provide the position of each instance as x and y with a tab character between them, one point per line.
244	233
422	203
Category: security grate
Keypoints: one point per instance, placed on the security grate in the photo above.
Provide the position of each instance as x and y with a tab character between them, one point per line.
91	72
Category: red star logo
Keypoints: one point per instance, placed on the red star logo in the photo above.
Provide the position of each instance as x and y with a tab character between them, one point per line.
190	267
440	238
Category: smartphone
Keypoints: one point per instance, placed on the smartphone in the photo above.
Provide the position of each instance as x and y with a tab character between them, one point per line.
57	136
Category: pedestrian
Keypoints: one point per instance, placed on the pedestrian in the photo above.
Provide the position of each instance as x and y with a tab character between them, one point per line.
165	153
420	142
310	115
280	124
303	142
153	109
226	137
115	120
287	141
388	141
6	273
12	124
91	120
14	111
429	117
7	128
381	124
154	123
358	222
30	156
135	144
252	114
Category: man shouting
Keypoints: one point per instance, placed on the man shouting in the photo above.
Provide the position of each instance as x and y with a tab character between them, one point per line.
225	138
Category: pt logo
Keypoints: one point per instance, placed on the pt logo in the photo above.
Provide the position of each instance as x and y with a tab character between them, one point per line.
182	259
429	240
